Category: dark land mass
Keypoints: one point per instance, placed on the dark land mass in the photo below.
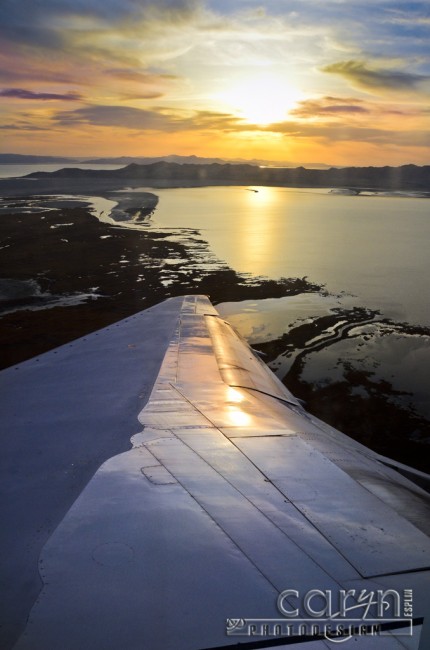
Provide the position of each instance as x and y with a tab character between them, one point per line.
406	177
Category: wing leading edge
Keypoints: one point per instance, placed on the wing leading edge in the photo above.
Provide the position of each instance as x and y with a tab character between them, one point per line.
231	494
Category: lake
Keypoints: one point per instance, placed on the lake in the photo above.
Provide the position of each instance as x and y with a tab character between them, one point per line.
375	247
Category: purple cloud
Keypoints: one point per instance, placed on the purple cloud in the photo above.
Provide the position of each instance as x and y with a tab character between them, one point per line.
327	106
21	93
360	74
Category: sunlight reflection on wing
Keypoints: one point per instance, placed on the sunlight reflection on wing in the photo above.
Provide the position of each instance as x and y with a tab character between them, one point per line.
238	417
233	395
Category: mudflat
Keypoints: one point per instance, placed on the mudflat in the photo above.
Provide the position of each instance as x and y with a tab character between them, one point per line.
65	273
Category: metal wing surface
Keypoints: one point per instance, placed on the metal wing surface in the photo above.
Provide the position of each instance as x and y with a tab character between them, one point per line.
229	495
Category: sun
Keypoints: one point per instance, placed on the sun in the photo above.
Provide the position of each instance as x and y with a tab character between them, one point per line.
261	99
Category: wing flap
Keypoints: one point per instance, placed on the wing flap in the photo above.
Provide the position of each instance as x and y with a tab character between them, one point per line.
373	537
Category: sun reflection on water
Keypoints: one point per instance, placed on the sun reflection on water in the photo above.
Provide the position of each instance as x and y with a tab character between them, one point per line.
259	234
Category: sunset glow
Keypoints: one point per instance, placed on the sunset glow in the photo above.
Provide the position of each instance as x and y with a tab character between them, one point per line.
262	99
341	83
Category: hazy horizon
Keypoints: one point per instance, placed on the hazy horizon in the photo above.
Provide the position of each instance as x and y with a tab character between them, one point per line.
179	158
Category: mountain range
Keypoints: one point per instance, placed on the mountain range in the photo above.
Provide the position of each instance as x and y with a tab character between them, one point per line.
23	159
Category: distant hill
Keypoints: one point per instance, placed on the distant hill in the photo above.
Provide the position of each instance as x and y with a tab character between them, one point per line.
128	160
14	158
197	160
406	177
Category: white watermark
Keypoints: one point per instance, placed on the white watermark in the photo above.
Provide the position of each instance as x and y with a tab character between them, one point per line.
337	617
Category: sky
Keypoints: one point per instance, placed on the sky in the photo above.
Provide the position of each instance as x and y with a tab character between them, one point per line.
337	82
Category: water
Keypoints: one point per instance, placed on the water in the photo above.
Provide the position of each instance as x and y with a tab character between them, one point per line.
374	247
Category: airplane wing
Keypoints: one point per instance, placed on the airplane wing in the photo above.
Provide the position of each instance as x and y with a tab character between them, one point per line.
162	490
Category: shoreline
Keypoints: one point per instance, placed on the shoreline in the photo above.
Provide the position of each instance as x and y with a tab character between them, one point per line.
69	252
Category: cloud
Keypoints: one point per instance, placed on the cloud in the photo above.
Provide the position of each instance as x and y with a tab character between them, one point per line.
118	116
141	76
213	120
144	95
329	107
335	132
20	93
23	127
159	119
168	121
139	84
187	55
24	70
44	24
359	74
